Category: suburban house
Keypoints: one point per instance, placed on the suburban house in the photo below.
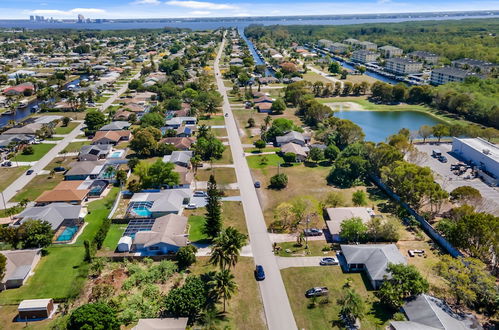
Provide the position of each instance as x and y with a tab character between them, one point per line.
364	56
186	131
157	204
84	170
427	312
298	150
69	191
162	324
111	137
19	266
29	129
8	140
185	178
19	89
236	62
57	214
35	309
294	137
94	152
167	235
264	107
373	259
180	143
390	51
403	66
115	126
180	158
337	215
176	122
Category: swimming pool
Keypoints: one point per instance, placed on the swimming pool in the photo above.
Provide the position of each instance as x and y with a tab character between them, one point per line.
116	154
142	212
67	234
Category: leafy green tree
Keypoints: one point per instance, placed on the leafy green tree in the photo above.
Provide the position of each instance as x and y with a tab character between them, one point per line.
66	121
144	143
399	92
334	67
279	181
440	130
359	198
352	230
213	224
28	150
121	177
153	119
132	162
466	195
93	316
334	199
405	281
352	305
279	127
316	154
95	120
209	147
469	281
157	174
35	234
425	132
348	171
289	157
260	144
331	152
188	300
3	265
278	106
251	122
186	256
223	285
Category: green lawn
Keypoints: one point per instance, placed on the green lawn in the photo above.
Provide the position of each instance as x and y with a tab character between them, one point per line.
103	99
37	186
10	174
62	273
226	157
222	175
196	225
257	151
212	120
66	129
325	316
59	138
314	249
113	236
39	150
75	146
263	161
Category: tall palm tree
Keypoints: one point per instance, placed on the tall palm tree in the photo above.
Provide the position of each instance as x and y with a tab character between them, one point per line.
352	305
218	256
223	285
227	247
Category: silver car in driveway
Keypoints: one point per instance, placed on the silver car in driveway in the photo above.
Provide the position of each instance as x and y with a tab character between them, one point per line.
328	261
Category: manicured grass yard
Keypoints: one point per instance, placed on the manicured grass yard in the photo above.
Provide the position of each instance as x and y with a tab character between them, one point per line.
222	175
220	132
314	249
75	146
226	157
298	280
212	120
60	162
37	186
61	273
102	99
113	236
66	129
10	174
39	150
196	224
263	161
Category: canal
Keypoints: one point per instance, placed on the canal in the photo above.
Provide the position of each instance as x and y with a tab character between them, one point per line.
32	107
378	125
252	49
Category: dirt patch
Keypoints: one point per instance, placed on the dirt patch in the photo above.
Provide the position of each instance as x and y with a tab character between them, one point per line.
352	106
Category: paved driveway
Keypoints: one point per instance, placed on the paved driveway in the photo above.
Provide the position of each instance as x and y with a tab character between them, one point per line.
288	262
275	300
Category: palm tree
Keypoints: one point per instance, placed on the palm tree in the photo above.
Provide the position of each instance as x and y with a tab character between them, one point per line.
352	305
109	172
227	248
218	256
223	285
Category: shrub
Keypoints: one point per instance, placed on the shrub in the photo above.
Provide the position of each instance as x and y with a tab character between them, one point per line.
279	181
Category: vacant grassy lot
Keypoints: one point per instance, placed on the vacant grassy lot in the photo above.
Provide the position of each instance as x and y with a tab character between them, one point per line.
60	162
226	157
222	175
75	146
245	309
265	161
212	120
325	316
314	249
314	77
66	129
37	186
39	150
10	174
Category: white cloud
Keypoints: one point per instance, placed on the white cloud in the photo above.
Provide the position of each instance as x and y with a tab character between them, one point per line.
48	12
71	12
87	11
199	4
199	12
146	2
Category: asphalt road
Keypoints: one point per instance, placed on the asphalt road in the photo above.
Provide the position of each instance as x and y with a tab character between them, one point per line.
275	300
24	179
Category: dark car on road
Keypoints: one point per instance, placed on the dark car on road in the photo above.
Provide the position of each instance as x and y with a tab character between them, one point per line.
312	232
443	159
29	172
257	184
59	169
317	292
259	273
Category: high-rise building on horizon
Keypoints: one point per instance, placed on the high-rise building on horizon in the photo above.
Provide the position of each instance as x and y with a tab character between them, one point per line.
81	18
32	18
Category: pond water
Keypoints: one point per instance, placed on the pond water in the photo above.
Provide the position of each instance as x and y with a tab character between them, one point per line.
378	125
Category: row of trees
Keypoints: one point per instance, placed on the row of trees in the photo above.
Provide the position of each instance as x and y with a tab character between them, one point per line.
30	234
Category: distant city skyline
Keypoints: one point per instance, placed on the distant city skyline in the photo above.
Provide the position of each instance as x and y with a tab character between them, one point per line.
119	9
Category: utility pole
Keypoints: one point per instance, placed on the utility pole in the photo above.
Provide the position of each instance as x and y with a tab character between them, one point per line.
306	232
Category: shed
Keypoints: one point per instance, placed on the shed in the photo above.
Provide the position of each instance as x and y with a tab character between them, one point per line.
35	309
124	244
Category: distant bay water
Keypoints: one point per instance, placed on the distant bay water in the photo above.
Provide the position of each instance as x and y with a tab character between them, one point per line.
211	24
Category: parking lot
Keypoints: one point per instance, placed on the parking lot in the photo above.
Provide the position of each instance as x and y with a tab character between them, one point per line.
449	181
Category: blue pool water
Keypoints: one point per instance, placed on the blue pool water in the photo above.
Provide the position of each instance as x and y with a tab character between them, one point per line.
67	234
142	212
116	154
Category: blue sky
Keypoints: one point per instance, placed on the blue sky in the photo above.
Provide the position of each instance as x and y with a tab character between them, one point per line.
219	8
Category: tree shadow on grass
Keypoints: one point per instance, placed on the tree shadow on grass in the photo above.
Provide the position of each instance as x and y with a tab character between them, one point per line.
381	311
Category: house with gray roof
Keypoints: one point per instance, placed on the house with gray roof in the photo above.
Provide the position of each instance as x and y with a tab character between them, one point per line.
373	259
7	140
115	126
56	214
94	152
159	203
180	158
84	170
167	235
336	216
292	137
425	312
19	266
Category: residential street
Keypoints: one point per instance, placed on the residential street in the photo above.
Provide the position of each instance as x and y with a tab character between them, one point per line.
276	304
24	179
